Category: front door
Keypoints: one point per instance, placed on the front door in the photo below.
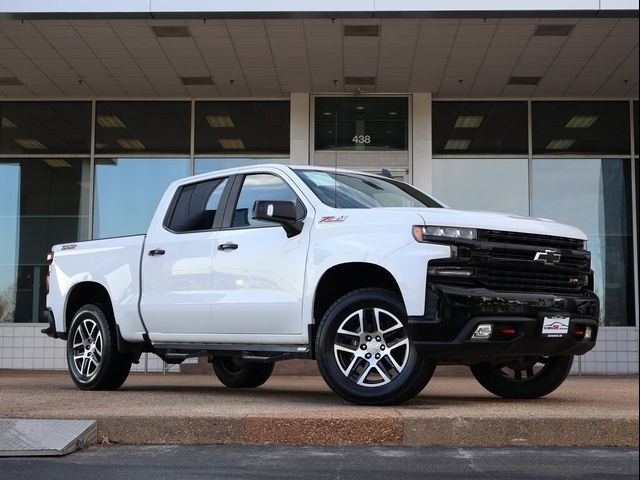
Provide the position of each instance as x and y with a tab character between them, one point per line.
258	279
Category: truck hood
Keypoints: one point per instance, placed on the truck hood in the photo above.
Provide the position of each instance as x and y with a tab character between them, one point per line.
449	217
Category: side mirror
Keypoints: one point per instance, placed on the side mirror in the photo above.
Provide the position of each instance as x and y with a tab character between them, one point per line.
284	213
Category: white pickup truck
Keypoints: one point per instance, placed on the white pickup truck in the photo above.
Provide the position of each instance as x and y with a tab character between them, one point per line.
371	277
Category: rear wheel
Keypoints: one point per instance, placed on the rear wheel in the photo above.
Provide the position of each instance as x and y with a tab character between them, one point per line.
364	351
528	377
92	351
234	372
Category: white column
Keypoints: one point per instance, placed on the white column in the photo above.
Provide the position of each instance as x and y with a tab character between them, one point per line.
299	129
422	144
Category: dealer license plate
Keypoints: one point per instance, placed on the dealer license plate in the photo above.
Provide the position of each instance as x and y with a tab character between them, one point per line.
555	326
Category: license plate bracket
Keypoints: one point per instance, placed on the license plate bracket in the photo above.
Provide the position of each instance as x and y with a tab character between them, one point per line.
555	326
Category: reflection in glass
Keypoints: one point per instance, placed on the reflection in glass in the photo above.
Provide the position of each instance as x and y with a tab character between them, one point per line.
259	187
242	127
480	128
590	128
143	127
595	196
127	192
45	128
44	202
204	165
361	123
498	185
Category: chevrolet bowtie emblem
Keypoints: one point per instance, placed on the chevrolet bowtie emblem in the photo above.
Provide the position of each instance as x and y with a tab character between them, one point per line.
549	257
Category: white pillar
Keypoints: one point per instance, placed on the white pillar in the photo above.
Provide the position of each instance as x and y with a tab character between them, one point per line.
422	142
299	129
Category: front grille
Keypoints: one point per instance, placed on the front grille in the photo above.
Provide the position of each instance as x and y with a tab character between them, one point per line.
507	279
504	261
497	236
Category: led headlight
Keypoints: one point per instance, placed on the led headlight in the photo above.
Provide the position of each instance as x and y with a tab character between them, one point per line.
422	233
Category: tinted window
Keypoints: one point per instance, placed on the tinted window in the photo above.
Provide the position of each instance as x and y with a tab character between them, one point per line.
362	191
242	127
45	127
127	192
361	123
580	127
197	206
480	127
255	187
143	127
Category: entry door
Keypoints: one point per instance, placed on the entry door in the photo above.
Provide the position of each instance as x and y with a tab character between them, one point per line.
258	279
177	269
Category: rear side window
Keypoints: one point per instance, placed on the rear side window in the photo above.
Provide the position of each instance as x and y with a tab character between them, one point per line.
197	206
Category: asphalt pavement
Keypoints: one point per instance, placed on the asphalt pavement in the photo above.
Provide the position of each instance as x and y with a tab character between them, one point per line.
248	462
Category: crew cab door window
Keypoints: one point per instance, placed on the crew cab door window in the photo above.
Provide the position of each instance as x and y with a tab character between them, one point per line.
196	206
260	186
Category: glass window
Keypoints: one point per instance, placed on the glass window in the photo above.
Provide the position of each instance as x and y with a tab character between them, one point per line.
362	191
242	127
127	192
205	165
361	123
594	195
480	128
499	185
44	202
143	127
197	206
594	128
45	128
636	125
261	186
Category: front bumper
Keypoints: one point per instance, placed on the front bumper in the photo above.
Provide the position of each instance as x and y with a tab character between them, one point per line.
454	312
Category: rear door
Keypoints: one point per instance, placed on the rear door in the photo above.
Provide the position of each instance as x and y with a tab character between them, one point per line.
177	265
258	279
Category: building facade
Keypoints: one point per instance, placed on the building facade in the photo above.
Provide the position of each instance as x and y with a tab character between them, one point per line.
531	112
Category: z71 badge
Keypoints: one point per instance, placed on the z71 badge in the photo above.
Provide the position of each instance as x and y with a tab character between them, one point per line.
332	219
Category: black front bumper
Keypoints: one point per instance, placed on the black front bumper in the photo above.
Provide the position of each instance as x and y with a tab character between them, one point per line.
454	312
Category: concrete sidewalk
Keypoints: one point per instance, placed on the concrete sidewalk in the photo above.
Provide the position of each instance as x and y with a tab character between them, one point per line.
187	409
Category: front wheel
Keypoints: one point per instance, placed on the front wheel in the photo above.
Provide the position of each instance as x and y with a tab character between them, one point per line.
234	372
527	377
365	353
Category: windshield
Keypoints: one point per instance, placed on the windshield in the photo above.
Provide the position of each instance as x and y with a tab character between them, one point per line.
351	190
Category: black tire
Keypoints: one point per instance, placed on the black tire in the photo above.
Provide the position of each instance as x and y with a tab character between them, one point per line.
365	380
112	368
234	372
519	379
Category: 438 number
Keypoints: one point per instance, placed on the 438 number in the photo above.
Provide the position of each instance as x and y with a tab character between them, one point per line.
361	139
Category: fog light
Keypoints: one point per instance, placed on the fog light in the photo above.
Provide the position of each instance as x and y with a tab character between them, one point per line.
483	332
588	333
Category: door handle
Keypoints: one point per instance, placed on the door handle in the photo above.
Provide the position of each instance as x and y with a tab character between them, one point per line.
157	251
228	246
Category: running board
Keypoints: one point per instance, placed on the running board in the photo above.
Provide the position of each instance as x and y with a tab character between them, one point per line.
178	352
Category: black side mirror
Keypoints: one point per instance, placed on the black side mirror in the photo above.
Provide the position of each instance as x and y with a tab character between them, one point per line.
284	213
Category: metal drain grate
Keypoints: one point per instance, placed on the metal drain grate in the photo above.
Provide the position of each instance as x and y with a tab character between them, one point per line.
20	438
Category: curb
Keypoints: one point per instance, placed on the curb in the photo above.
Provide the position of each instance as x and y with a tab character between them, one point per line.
369	429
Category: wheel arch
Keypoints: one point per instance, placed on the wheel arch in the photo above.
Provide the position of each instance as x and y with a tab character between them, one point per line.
84	293
343	278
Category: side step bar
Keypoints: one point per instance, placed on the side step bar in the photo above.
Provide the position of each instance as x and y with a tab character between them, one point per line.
177	352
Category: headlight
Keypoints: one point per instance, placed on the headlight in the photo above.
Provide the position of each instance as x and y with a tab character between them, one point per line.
422	233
